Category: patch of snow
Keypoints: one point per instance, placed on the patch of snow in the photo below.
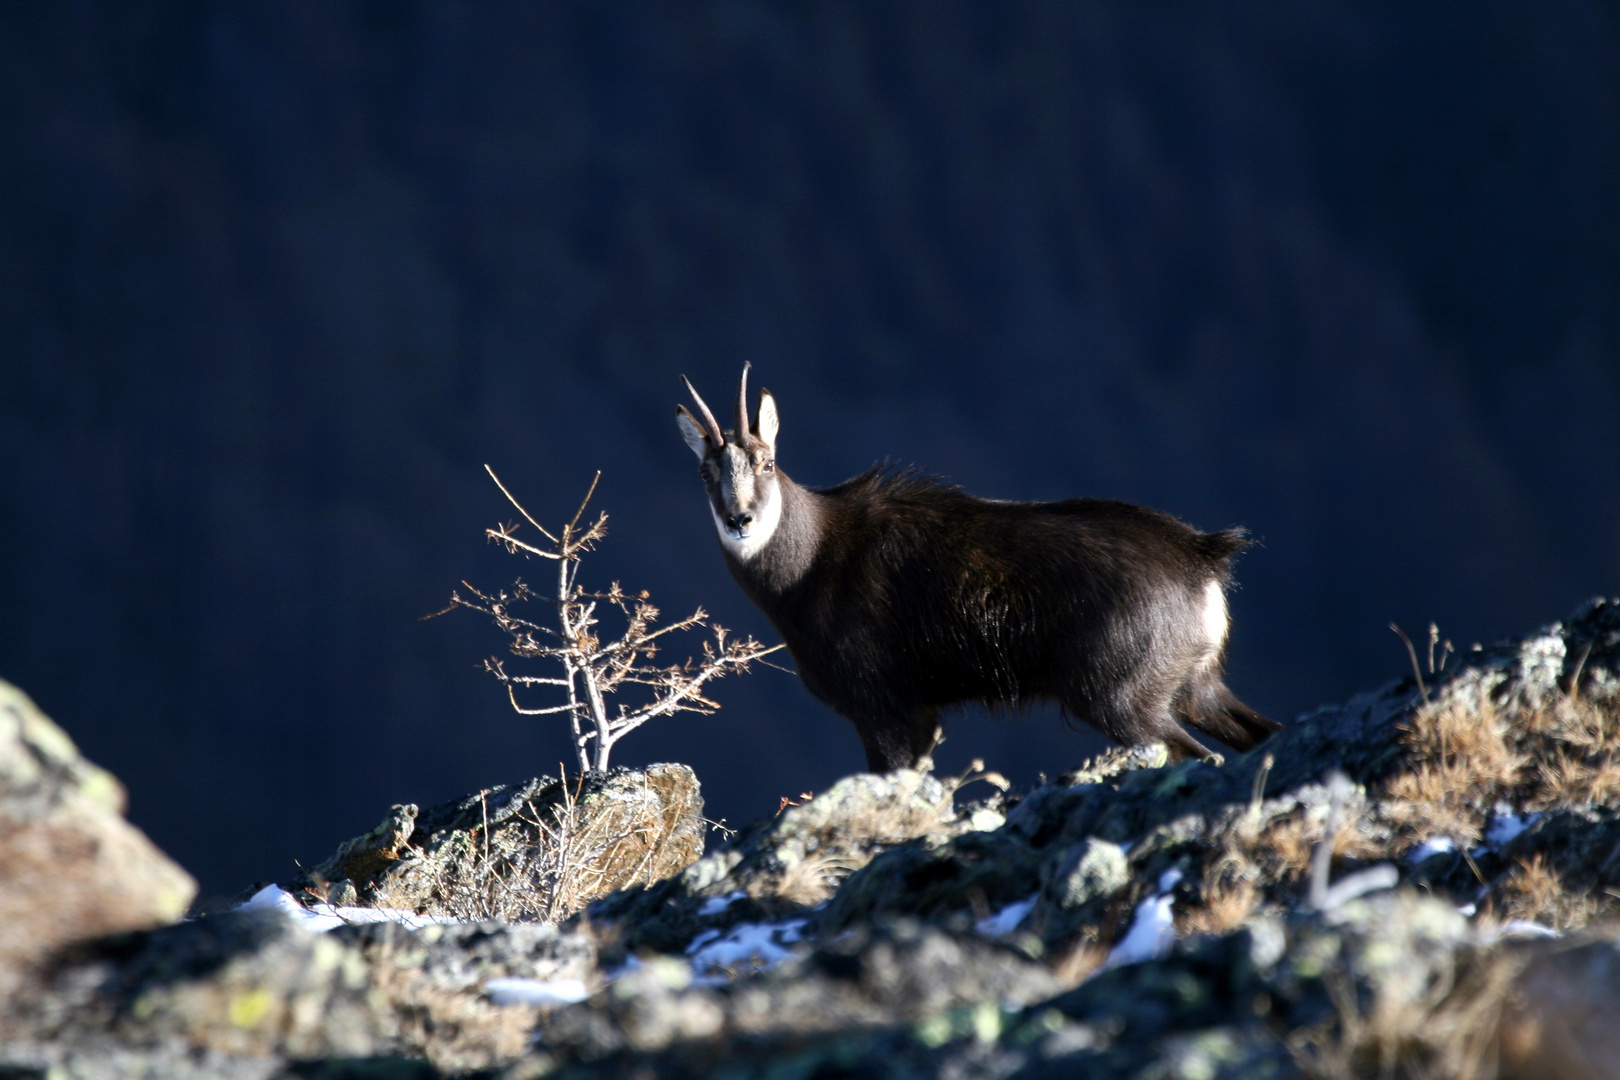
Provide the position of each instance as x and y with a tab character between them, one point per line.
320	918
541	992
1506	825
1153	928
986	820
768	943
1007	919
1523	928
1438	845
714	905
1152	932
273	898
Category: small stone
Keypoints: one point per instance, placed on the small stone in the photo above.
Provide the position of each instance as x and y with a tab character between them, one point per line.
1092	868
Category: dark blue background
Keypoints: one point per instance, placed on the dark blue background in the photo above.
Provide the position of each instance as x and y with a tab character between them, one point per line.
277	280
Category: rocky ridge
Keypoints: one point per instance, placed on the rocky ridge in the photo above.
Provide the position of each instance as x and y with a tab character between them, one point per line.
1416	883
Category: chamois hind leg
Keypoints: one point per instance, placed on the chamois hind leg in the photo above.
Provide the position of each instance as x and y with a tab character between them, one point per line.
1213	709
904	741
1132	716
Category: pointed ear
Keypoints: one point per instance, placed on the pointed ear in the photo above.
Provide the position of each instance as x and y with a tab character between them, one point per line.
692	432
768	423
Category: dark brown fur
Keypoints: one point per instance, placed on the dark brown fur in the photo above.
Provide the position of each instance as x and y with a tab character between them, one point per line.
920	597
899	596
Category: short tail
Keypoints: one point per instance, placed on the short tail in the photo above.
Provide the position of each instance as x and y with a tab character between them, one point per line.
1216	711
1221	546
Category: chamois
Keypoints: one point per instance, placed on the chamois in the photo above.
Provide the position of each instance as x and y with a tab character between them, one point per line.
899	595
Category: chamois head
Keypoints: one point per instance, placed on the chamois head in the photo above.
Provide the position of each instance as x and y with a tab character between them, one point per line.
738	469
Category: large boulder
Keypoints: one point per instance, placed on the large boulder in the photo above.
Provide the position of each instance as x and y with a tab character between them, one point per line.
71	867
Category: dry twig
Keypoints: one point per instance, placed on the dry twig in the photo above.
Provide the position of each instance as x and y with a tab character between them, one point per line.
591	667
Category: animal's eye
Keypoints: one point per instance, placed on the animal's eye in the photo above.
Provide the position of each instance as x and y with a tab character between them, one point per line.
707	474
768	465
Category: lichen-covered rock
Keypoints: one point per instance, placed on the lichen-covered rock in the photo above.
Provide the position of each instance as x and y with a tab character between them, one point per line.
540	849
790	864
456	957
892	972
1091	870
230	994
244	993
1396	886
971	876
71	867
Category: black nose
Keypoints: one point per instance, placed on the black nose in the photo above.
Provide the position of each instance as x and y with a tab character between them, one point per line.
740	521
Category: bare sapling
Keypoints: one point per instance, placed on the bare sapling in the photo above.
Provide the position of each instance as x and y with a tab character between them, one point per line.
593	669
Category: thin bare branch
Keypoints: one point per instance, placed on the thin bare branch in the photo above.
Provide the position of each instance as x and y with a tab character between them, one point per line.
511	693
519	505
514	545
569	528
593	669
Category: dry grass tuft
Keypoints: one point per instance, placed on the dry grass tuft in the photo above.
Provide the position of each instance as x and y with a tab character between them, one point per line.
1463	755
1450	1032
1283	850
1461	760
1574	742
1075	964
1535	891
1227	903
814	878
546	862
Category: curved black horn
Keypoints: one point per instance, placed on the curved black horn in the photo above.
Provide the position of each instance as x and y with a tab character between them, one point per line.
745	433
715	433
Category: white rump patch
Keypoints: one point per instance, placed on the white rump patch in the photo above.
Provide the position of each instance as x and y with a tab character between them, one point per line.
1216	619
746	545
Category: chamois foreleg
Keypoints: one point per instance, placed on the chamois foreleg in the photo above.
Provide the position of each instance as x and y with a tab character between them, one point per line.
900	740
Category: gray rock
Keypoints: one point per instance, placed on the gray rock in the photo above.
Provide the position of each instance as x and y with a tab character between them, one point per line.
235	994
71	867
462	957
1092	869
786	866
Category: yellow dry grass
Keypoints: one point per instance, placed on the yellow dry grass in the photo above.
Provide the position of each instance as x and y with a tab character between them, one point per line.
1227	903
1574	742
544	864
816	877
1460	760
1535	891
1450	1033
1076	963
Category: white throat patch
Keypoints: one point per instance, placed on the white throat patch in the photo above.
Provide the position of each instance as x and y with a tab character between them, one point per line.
759	532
